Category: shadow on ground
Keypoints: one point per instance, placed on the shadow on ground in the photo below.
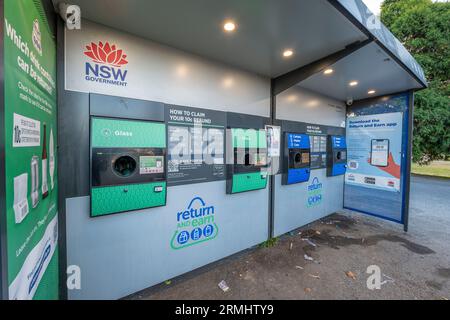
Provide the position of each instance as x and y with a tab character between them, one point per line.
328	259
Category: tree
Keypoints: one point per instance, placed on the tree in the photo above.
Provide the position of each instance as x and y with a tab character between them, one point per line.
424	29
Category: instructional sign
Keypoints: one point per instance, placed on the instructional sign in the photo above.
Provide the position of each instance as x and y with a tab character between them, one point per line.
375	151
273	140
195	145
318	151
30	156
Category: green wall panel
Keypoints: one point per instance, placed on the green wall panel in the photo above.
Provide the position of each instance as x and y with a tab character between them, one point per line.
114	133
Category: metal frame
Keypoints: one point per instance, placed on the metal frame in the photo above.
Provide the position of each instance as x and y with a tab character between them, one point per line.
3	247
406	171
62	239
271	204
408	161
290	79
363	29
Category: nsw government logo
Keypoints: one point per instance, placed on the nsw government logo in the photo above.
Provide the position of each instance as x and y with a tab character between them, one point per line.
107	64
314	193
195	224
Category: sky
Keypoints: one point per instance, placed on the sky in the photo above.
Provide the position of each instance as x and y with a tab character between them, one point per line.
374	5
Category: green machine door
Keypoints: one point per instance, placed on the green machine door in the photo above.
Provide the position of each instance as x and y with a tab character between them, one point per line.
127	165
248	172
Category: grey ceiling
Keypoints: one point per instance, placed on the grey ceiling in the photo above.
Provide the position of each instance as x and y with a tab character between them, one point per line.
371	67
312	28
265	28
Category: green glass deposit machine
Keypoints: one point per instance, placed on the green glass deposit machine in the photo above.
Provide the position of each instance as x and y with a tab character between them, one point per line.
127	165
249	168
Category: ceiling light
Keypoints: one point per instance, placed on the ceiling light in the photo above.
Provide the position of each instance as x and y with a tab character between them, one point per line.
287	53
229	26
227	82
328	71
371	91
353	83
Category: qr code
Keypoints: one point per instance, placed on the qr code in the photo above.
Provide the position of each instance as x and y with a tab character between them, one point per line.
173	166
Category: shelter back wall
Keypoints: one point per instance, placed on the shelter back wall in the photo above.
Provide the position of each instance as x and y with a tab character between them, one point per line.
134	248
302	105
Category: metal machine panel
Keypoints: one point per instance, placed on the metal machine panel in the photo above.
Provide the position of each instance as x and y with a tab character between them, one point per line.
249	160
297	158
337	156
127	165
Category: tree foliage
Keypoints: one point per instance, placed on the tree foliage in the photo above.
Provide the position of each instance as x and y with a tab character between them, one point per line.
423	27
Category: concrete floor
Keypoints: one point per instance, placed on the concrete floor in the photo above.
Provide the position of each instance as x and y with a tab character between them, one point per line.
414	265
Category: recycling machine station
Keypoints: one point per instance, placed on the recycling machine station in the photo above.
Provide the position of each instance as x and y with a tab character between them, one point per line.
146	142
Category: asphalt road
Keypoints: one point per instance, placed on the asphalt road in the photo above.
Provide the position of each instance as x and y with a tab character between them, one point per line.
413	265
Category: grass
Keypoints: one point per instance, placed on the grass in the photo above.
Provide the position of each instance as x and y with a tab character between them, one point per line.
435	168
269	243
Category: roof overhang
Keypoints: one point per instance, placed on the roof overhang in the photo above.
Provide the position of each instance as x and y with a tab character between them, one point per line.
313	30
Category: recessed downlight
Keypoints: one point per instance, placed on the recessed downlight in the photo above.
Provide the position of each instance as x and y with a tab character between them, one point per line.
328	71
229	26
353	83
288	53
371	92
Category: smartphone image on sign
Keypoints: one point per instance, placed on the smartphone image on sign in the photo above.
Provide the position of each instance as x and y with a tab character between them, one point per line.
379	152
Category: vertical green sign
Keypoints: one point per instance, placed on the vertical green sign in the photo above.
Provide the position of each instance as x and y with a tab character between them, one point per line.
30	151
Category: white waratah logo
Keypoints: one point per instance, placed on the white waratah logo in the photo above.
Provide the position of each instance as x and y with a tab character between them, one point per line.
106	132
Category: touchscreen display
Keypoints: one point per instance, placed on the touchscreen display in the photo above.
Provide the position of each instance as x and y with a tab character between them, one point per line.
151	164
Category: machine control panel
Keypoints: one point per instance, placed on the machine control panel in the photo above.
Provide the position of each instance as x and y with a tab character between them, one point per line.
127	165
248	170
297	158
337	156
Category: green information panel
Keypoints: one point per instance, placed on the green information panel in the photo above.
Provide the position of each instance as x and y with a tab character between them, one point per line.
116	133
30	152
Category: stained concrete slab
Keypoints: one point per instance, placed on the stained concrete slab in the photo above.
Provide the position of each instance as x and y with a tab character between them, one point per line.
414	265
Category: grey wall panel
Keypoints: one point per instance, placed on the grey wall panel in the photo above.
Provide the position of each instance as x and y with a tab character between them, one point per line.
159	73
73	143
299	104
335	194
121	254
292	208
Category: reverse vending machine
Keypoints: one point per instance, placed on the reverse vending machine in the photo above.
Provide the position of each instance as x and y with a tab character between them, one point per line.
297	158
337	156
249	168
127	165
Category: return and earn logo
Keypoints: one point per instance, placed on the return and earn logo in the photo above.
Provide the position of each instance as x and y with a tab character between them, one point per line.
106	65
314	193
195	224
